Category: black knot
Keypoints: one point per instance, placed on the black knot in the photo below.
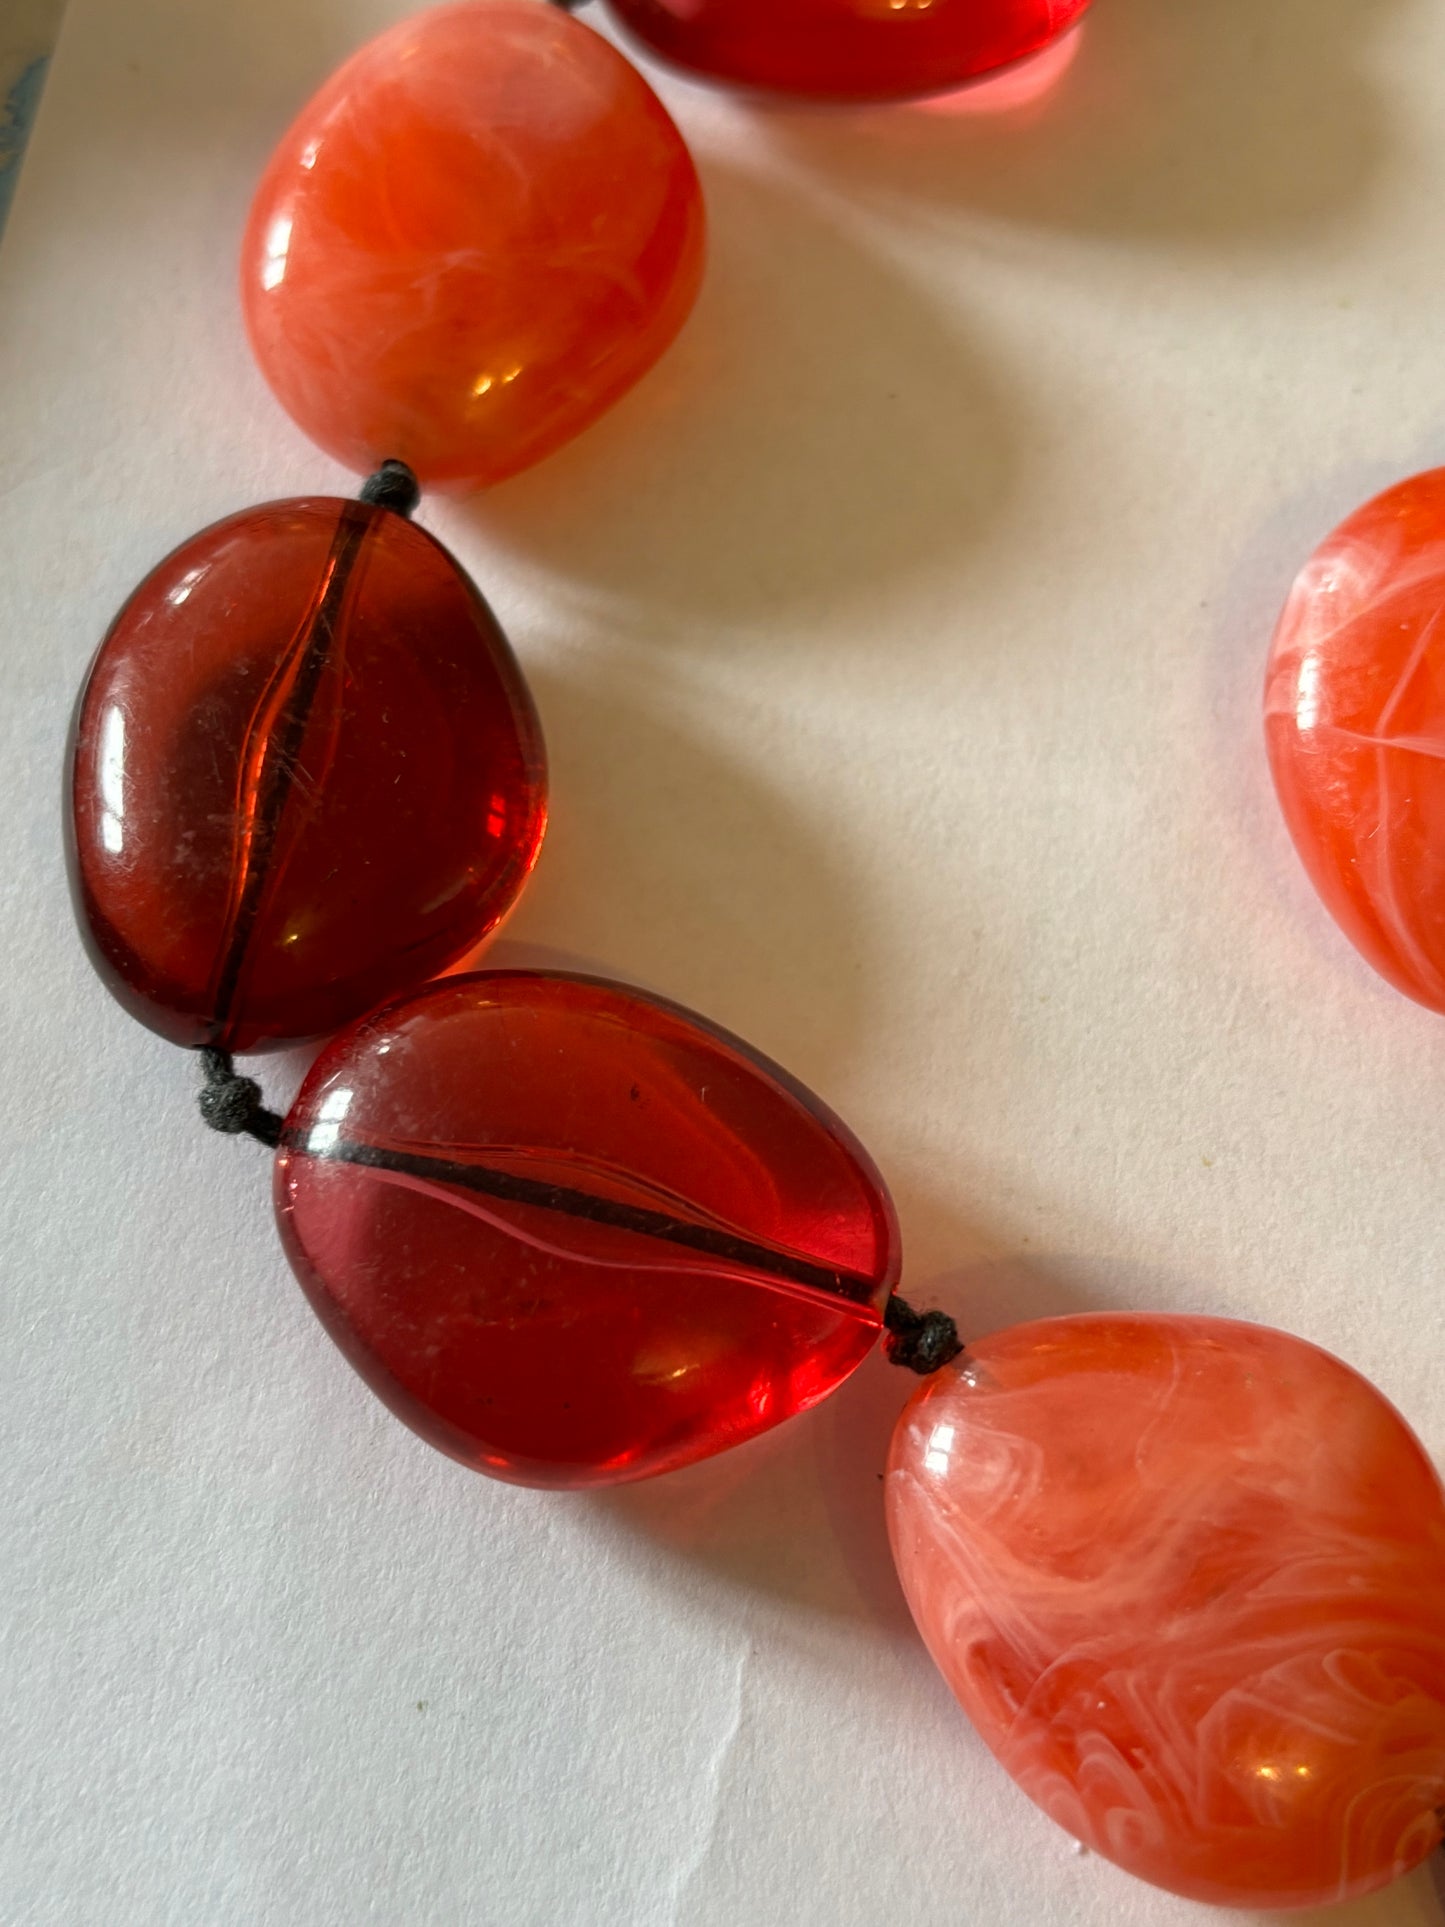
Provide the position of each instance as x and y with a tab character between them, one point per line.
920	1341
393	487
232	1103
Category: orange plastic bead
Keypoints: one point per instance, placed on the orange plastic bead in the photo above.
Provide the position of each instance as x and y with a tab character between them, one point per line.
1187	1578
1355	723
476	237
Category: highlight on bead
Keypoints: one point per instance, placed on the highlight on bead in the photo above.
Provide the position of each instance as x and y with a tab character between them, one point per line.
476	237
305	773
1187	1578
573	1234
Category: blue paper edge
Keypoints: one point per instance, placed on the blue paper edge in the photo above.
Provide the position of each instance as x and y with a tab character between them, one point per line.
16	118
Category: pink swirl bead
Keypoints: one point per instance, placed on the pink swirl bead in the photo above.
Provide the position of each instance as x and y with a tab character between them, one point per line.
1187	1577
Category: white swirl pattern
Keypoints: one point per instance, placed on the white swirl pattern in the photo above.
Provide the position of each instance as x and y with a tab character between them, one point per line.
1188	1579
1355	724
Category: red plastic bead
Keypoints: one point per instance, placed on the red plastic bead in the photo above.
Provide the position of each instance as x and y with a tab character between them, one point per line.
1355	723
1187	1578
306	774
475	238
847	49
574	1235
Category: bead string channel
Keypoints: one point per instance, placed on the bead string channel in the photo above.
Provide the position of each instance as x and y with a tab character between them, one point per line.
232	1104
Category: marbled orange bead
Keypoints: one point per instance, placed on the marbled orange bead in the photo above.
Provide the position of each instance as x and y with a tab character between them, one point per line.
476	237
1355	724
1187	1577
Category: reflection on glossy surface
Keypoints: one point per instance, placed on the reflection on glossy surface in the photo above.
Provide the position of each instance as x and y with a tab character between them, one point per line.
1355	723
477	236
574	1235
847	49
1011	90
1187	1577
306	774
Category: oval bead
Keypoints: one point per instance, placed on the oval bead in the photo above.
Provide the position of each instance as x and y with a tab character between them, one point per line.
475	238
305	774
844	50
574	1235
1355	726
1187	1577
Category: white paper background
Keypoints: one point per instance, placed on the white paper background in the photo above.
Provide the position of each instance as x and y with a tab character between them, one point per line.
899	646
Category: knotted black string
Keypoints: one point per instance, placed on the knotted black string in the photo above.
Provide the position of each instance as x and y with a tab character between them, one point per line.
393	487
232	1103
920	1341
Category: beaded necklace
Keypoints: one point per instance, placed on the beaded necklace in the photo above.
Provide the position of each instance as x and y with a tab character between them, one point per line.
573	1234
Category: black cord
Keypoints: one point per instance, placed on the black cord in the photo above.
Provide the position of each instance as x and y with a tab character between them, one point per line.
920	1341
232	1104
393	487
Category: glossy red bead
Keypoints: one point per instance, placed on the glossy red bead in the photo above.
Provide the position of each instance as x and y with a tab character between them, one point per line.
574	1235
847	49
305	774
1355	724
476	237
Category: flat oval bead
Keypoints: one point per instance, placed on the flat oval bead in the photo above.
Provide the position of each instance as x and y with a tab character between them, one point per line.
1187	1577
844	50
305	773
475	238
574	1235
1355	726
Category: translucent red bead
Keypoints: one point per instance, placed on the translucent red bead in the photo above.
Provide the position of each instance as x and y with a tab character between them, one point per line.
477	236
1355	723
306	773
573	1235
1187	1577
846	49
